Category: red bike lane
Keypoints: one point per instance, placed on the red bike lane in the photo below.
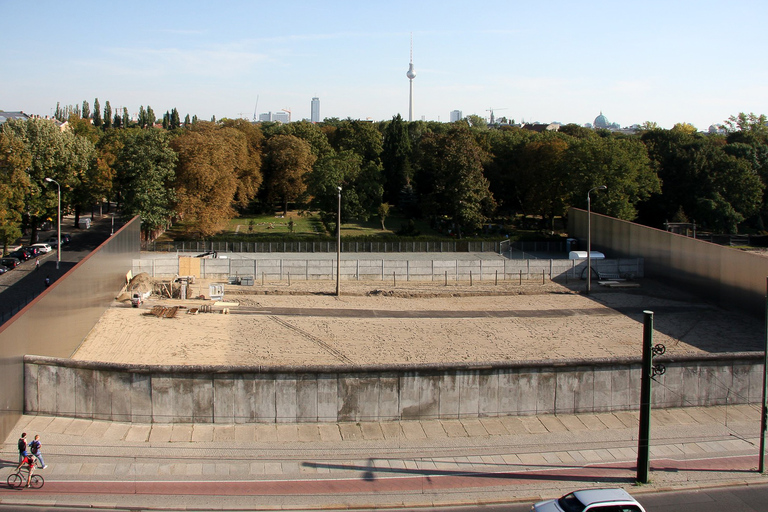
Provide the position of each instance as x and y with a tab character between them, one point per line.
387	481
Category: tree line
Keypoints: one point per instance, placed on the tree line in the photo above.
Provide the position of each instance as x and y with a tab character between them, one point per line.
460	176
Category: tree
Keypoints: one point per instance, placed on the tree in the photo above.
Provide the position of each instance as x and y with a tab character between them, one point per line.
59	155
14	186
396	159
96	113
214	163
107	115
450	179
86	110
145	171
288	160
383	214
753	123
150	119
126	118
186	121
620	164
175	121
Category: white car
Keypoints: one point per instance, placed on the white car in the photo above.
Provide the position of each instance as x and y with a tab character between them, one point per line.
591	500
42	247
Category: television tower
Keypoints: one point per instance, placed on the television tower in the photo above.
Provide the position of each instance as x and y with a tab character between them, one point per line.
411	74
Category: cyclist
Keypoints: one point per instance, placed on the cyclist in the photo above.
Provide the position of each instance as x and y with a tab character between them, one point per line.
29	460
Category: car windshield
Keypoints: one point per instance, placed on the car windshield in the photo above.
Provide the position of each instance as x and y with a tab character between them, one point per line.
570	503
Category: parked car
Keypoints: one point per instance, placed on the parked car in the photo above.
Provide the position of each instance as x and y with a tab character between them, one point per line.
36	251
591	500
20	254
45	248
3	269
66	238
53	242
10	262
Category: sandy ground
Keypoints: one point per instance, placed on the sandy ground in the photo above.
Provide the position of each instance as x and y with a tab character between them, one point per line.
306	324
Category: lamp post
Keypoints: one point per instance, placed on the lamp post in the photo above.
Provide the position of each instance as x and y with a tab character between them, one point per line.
58	224
338	246
589	236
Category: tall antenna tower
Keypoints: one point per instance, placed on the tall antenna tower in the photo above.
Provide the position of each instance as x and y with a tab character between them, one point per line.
411	74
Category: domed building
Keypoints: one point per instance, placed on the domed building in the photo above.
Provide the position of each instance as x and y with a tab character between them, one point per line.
601	122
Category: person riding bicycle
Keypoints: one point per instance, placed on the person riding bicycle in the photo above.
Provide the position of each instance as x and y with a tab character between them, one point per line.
29	460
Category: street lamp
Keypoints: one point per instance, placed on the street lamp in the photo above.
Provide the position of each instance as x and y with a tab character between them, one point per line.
338	246
58	224
589	237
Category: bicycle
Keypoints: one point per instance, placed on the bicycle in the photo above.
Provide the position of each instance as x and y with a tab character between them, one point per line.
16	481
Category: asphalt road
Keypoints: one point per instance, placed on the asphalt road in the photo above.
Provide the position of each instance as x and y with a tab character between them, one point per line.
733	499
21	285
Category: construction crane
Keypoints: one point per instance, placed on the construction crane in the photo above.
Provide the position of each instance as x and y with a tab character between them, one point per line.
289	113
256	109
493	119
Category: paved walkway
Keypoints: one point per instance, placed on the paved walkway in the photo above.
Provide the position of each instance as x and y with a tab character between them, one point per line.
407	463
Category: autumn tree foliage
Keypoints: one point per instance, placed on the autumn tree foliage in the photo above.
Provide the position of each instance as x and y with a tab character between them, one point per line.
218	170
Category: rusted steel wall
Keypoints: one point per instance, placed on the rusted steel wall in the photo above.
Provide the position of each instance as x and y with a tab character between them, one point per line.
57	321
729	277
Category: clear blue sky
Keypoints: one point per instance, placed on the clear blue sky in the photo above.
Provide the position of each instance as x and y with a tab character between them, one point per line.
664	61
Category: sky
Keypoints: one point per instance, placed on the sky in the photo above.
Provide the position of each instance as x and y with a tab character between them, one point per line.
667	62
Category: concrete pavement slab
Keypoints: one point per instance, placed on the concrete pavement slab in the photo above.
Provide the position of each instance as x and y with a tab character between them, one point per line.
245	433
474	427
287	433
329	432
202	433
350	432
592	422
452	428
116	432
372	431
308	433
160	434
138	433
181	433
494	427
610	420
95	430
413	430
571	422
553	424
224	433
533	425
514	425
392	430
266	433
61	425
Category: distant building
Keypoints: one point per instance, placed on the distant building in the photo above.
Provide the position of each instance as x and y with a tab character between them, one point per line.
541	127
4	116
601	123
456	116
277	117
315	116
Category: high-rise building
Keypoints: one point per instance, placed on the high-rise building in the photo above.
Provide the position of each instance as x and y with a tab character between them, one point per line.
456	116
315	116
277	117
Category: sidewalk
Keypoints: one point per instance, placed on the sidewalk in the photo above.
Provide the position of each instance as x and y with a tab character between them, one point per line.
358	465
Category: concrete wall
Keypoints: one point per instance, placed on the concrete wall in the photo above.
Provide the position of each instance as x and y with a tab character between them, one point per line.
57	321
225	394
415	269
729	277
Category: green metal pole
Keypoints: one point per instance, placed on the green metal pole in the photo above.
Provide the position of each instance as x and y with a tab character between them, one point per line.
764	415
644	436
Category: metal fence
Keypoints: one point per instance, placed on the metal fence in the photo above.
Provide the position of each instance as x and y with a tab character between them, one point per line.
498	247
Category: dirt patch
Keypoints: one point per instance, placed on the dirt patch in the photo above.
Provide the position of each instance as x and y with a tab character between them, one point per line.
371	323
